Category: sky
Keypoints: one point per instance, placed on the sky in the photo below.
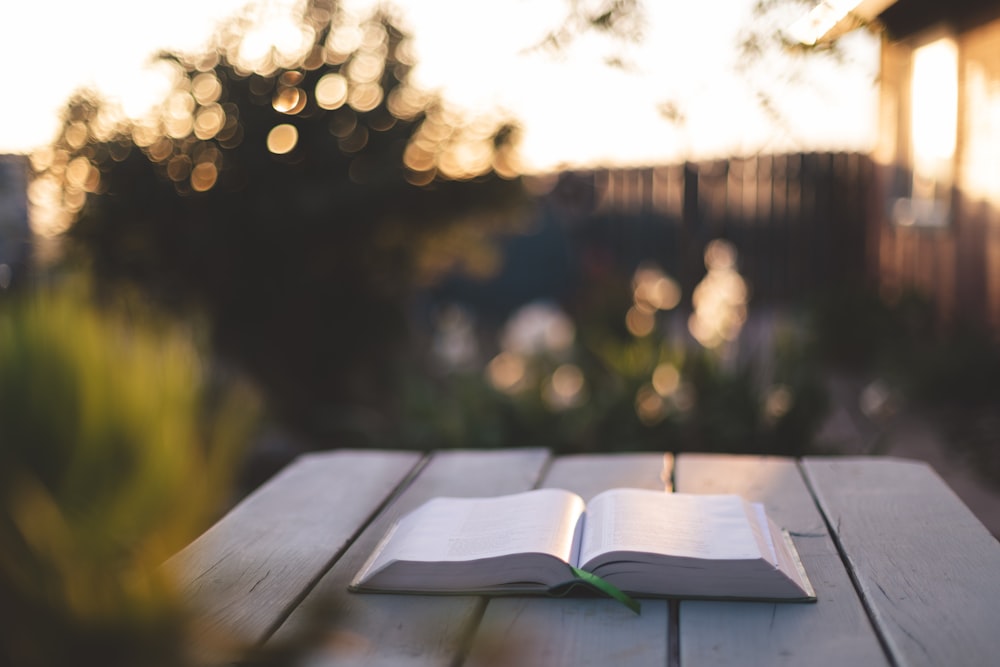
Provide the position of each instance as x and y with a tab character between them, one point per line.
575	109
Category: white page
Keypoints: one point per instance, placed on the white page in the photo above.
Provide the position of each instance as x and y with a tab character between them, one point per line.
460	529
687	525
762	531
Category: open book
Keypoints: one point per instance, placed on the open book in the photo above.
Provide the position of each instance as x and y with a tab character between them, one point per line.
647	543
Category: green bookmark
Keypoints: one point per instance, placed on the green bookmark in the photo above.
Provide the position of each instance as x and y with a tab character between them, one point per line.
604	587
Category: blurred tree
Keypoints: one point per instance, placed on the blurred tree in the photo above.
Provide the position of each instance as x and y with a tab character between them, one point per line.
621	20
294	195
770	54
776	54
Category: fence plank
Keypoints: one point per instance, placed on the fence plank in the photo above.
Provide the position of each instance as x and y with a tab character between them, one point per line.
800	221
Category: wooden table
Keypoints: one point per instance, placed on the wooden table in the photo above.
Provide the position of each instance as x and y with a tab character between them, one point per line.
904	573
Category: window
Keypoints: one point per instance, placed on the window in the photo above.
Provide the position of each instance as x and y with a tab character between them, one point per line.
933	133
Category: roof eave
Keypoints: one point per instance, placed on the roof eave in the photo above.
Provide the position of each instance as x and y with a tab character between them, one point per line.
865	13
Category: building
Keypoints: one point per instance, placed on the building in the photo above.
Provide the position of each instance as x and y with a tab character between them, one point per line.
15	232
937	222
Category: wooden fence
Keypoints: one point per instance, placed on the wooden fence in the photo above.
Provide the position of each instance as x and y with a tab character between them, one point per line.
799	222
956	265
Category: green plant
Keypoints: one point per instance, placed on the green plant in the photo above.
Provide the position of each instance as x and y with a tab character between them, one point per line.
602	388
116	448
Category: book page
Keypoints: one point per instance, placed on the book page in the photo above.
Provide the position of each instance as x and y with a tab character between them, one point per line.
686	525
462	529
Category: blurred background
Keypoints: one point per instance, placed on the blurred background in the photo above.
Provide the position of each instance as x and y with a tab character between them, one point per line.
232	233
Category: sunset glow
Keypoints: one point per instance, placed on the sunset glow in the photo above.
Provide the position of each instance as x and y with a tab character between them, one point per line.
576	109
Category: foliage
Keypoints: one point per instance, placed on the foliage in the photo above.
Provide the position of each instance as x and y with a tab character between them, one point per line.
299	199
609	389
116	448
719	409
621	20
946	370
296	199
904	341
772	56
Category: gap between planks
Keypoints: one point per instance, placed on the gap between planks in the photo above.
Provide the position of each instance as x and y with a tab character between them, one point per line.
307	589
831	529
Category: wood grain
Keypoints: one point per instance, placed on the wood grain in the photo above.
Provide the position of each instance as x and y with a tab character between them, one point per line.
387	629
928	569
589	474
245	573
540	631
833	631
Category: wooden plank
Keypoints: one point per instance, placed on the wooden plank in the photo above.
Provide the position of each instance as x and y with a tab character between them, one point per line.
668	191
833	631
406	629
796	216
589	474
244	574
927	568
542	631
992	315
735	218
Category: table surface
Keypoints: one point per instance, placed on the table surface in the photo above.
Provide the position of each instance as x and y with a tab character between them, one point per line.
903	571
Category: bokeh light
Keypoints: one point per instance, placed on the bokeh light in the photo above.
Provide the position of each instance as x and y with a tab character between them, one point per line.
179	127
564	389
179	105
76	134
406	102
144	135
454	341
161	149
289	100
538	328
82	175
683	400
282	139
418	156
876	399
275	40
179	168
720	255
365	67
466	159
666	379
653	290
640	323
650	406
73	200
507	372
777	403
365	96
204	176
291	78
355	141
420	178
49	216
331	91
720	299
209	121
343	40
271	52
206	88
